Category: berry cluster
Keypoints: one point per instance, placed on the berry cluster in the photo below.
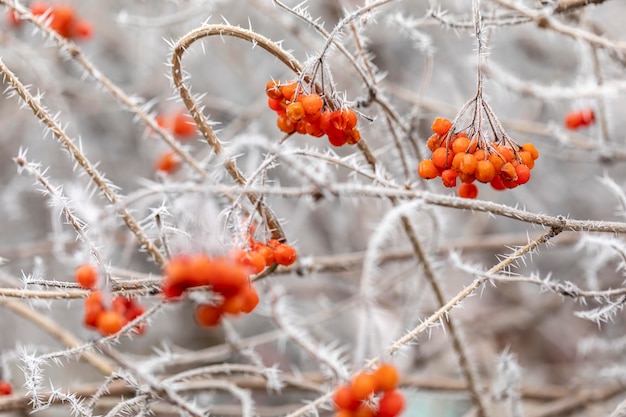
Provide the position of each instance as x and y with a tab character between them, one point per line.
353	400
581	118
454	155
5	388
107	321
110	320
228	276
305	113
63	20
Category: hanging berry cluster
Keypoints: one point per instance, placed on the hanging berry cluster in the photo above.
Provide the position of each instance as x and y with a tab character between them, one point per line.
579	119
108	318
228	276
5	388
503	164
63	20
357	398
305	113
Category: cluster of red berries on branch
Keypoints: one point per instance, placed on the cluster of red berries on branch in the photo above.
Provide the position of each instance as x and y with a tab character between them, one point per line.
228	276
580	118
455	156
370	394
306	113
108	318
5	388
63	20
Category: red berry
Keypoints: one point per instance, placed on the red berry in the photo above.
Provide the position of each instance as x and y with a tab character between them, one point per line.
284	254
391	404
83	29
110	322
387	377
467	190
5	388
363	385
441	126
208	315
86	276
167	163
344	400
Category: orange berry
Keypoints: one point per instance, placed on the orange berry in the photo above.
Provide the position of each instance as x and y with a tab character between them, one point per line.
295	111
460	144
344	413
387	377
456	161
434	142
508	172
313	129
480	155
273	243
93	308
110	322
275	104
448	177
496	160
86	276
523	174
83	29
468	164
5	388
364	411
337	138
391	404
250	299
573	120
167	163
272	90
441	126
527	159
505	152
289	90
467	178
485	171
530	148
344	400
285	124
266	252
62	18
183	125
208	315
363	385
497	183
427	169
227	278
284	254
442	158
348	119
232	305
467	190
312	103
254	261
352	136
